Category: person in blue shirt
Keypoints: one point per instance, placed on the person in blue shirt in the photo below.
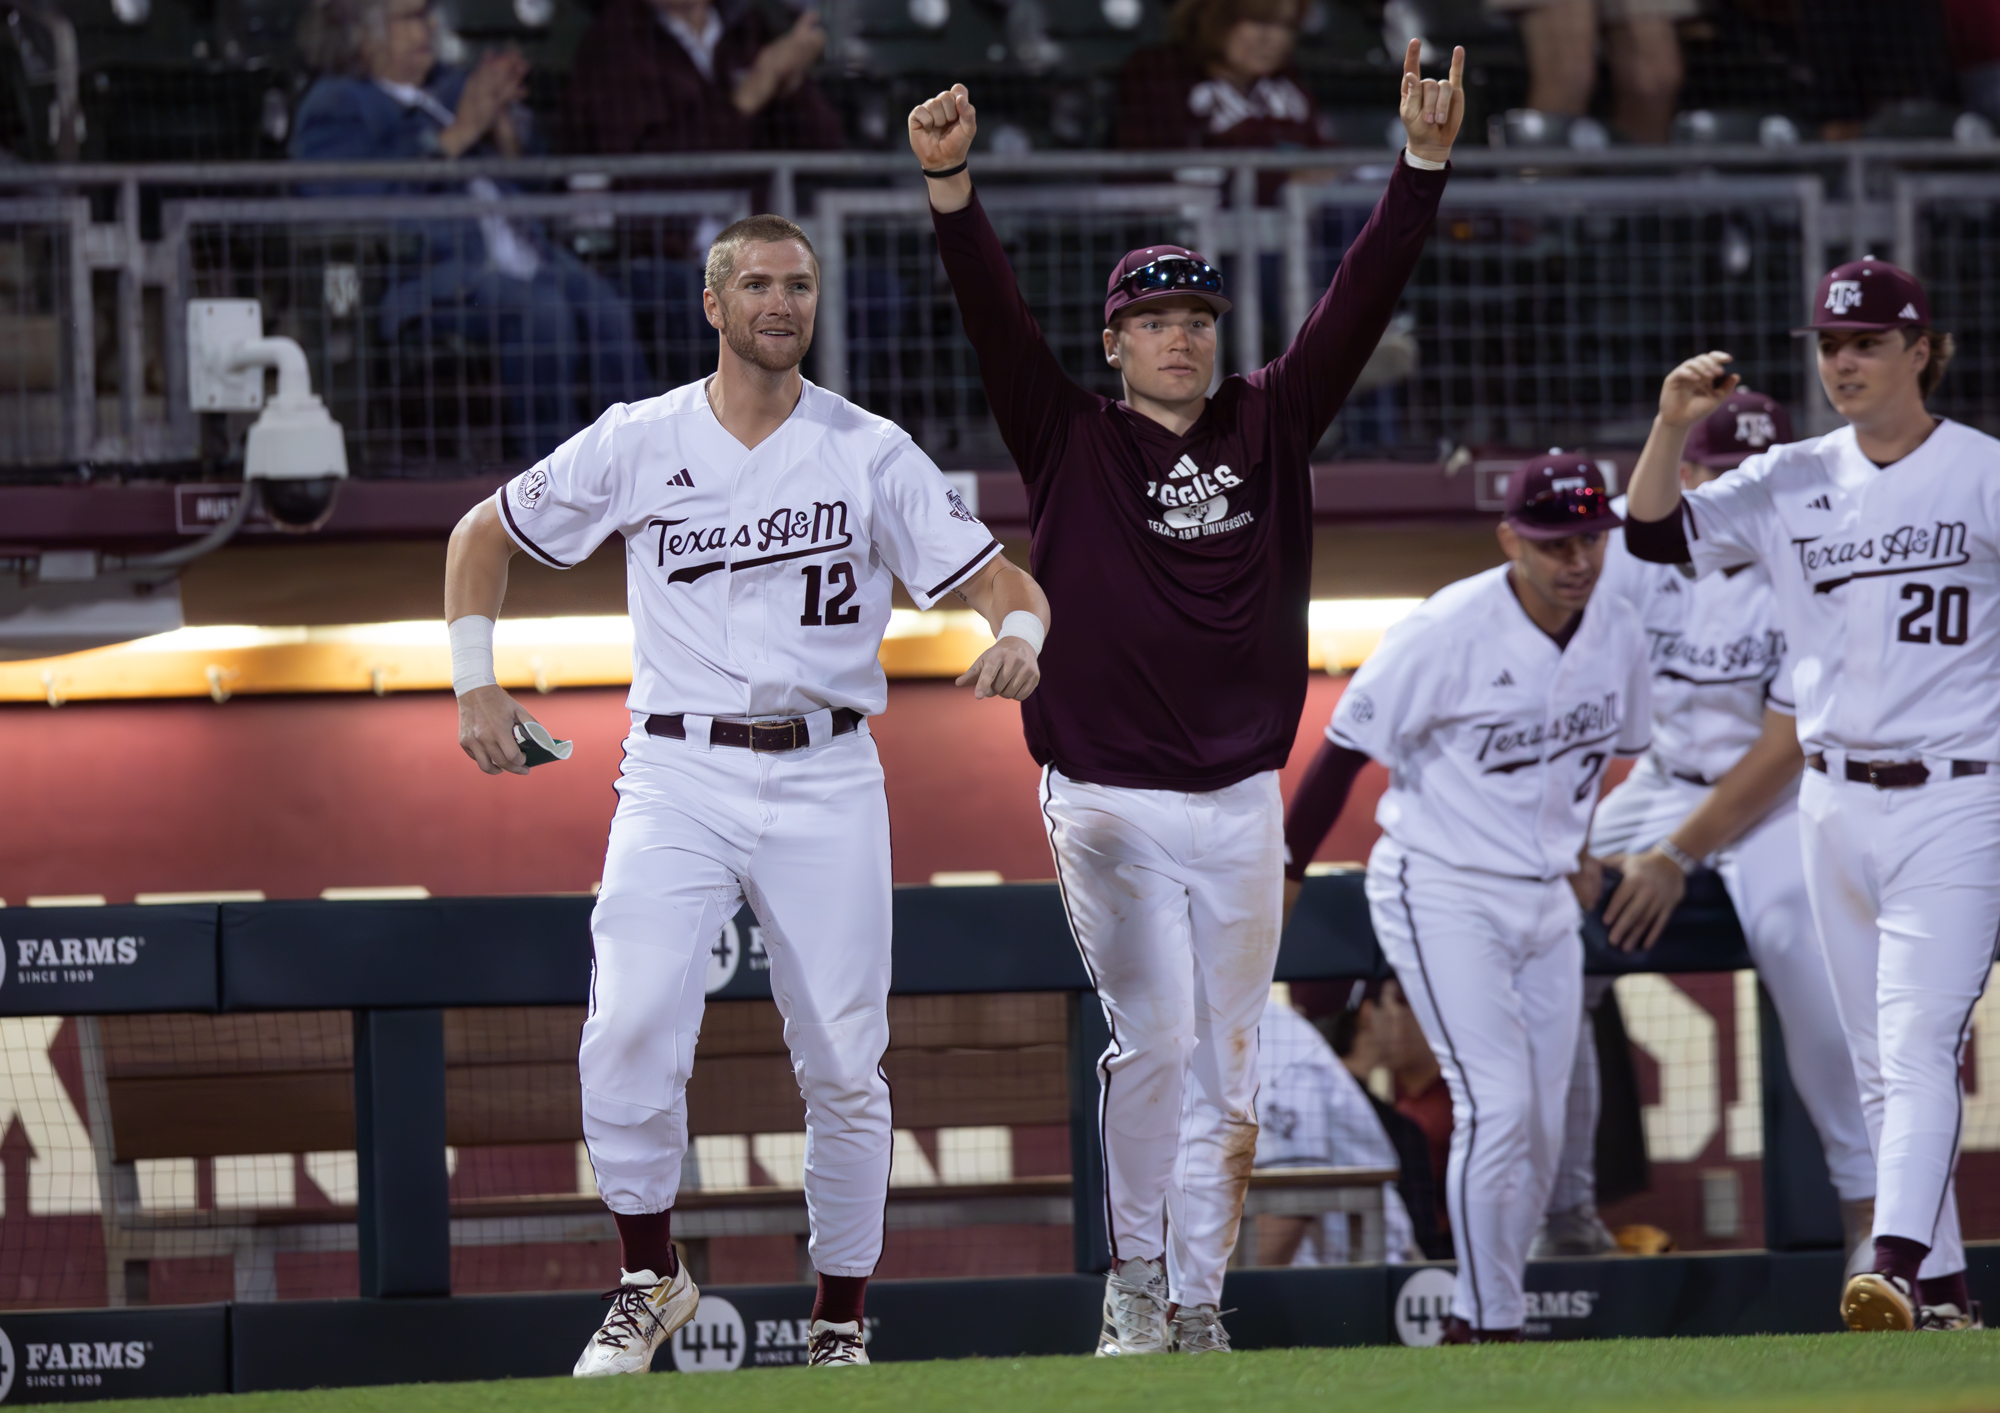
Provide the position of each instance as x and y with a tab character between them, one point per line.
561	334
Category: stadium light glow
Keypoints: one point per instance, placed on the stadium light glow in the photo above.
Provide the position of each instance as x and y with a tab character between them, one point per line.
581	650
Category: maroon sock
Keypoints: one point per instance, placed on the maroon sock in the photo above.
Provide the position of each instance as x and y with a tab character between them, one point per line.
1899	1256
839	1299
1946	1290
648	1242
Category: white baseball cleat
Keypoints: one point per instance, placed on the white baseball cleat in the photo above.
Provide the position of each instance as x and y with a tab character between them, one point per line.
1946	1318
832	1346
1198	1330
1576	1231
1135	1309
645	1311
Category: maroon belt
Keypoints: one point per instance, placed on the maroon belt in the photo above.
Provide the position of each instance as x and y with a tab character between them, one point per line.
1895	774
759	736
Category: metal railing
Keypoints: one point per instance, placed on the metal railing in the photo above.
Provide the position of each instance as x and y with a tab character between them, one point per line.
1558	287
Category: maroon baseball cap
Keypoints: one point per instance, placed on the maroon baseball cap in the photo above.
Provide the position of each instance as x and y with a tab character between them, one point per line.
1746	423
1156	272
1867	295
1555	496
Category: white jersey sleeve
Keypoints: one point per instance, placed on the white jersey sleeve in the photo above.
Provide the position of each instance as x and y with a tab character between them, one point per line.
1392	698
1624	576
1635	728
924	531
1727	519
1778	693
566	505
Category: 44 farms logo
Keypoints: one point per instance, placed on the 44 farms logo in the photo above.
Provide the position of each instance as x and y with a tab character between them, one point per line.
49	961
69	1364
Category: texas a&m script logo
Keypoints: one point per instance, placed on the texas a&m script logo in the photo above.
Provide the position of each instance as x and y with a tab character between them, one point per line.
1829	562
793	534
1843	296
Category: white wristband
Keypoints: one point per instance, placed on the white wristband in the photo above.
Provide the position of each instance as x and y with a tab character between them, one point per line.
1025	626
1423	164
472	653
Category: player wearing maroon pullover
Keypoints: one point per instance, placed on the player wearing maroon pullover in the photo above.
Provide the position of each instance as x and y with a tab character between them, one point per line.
1172	531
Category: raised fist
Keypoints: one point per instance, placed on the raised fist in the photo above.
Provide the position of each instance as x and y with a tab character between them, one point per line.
941	130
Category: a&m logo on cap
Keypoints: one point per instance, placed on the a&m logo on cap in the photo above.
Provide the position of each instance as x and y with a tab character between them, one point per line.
1755	429
1843	296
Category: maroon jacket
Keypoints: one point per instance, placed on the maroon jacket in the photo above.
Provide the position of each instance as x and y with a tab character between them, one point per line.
1166	99
633	88
1178	568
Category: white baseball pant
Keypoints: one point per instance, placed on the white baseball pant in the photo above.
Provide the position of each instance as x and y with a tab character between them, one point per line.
1764	873
1906	888
803	836
1575	1183
1176	901
1493	968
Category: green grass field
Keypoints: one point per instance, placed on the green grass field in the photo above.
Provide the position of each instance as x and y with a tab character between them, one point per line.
1789	1374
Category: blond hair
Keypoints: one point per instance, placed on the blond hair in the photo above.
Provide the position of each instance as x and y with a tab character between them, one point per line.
751	230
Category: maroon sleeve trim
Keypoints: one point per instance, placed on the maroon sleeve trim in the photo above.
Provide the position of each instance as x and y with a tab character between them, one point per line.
1662	541
1317	803
520	538
957	575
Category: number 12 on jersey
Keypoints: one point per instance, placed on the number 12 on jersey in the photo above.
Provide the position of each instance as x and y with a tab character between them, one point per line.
838	610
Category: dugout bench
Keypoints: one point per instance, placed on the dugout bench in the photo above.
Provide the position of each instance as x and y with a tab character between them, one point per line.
409	1026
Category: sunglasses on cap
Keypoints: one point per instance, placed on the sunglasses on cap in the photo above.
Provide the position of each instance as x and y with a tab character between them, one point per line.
1176	273
1577	505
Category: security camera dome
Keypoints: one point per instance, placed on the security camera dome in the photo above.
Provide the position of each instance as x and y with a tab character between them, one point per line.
299	506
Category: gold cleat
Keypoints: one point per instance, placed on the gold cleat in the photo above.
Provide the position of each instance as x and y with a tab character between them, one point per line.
1877	1302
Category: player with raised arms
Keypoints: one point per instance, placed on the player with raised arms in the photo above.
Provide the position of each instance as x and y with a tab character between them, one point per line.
763	518
1495	706
1720	784
1882	543
1173	531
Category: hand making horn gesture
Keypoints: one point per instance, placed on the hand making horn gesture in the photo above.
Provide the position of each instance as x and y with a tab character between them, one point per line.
1432	111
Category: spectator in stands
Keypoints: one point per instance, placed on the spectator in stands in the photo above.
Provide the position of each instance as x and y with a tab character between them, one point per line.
1312	1113
1374	1029
1975	49
1876	70
1373	1032
556	328
1640	43
685	76
1224	79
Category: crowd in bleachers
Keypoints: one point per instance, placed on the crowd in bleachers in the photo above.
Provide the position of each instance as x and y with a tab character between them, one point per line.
219	79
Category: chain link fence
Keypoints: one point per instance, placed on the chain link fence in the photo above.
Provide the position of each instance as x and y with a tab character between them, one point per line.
455	334
1948	230
450	334
900	349
1545	313
173	1159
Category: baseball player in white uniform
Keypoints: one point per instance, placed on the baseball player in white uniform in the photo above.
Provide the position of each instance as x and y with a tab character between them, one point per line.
1313	1113
1721	784
763	519
1496	706
1882	543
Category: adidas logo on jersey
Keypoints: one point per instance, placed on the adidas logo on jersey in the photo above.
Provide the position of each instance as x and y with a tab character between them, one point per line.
1820	502
1505	679
1183	468
681	478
